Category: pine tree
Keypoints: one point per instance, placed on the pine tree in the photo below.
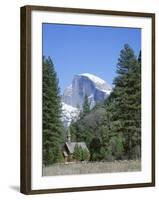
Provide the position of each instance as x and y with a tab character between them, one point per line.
52	126
85	155
77	154
95	149
86	106
139	57
124	104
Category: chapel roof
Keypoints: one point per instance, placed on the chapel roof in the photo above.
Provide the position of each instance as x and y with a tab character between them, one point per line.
71	146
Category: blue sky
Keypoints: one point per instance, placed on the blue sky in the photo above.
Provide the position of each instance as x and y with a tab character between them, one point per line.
77	49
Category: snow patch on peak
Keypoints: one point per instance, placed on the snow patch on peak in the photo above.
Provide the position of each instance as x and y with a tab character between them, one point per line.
98	82
93	78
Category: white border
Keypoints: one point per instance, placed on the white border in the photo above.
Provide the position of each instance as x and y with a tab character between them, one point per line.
52	182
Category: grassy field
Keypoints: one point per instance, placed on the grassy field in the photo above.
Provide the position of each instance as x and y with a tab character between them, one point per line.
97	167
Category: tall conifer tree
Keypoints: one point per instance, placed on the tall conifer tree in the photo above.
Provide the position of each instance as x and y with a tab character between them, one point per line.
86	106
52	126
125	104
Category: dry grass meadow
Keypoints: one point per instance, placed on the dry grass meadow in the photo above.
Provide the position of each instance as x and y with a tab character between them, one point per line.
95	167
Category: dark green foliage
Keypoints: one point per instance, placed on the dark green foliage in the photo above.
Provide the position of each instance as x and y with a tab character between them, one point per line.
77	154
52	126
88	126
96	150
88	129
116	145
124	106
86	107
80	154
139	58
85	155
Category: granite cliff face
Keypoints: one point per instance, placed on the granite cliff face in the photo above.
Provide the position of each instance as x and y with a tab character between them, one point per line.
96	89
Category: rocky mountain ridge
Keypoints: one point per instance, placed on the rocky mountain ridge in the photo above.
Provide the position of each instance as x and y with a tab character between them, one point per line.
95	88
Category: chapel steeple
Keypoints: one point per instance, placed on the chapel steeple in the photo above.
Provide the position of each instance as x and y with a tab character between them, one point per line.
68	135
